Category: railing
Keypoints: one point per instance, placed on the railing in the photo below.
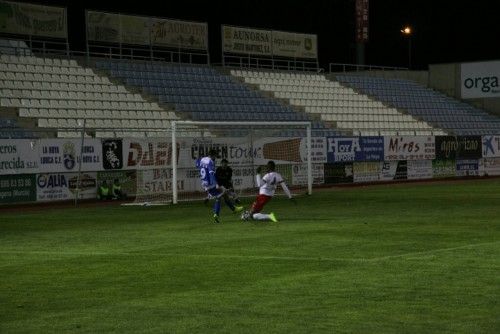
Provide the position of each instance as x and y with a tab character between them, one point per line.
27	47
270	63
152	54
340	67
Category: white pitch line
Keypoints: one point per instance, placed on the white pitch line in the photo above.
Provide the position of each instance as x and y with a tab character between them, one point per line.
416	255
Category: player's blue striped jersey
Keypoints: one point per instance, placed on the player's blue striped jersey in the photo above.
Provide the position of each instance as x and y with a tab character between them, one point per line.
207	172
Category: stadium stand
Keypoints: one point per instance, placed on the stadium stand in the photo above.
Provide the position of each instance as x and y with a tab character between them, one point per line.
333	102
59	94
202	93
453	116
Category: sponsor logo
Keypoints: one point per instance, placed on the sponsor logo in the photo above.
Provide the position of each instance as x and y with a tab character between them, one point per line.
113	155
50	181
486	84
69	155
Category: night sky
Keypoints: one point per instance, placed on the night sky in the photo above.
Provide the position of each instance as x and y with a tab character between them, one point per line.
444	31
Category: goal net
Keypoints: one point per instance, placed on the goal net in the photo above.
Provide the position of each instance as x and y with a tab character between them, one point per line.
245	146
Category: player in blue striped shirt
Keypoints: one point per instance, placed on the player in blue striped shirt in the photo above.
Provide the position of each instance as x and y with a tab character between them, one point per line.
206	165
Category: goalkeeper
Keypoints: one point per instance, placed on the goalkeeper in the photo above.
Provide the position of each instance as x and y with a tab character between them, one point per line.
224	177
206	165
267	184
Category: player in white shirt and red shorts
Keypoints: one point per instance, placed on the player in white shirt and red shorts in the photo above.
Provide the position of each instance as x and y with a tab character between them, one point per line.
267	187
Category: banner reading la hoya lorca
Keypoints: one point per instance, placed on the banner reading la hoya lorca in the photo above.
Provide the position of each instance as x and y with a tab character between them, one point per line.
65	155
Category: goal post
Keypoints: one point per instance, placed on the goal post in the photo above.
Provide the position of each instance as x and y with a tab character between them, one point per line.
285	136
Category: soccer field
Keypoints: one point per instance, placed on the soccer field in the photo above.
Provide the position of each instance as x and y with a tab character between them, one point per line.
407	258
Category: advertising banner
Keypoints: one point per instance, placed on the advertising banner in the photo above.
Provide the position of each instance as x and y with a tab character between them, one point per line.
246	40
35	20
355	149
480	80
135	29
103	27
462	147
158	183
63	186
299	174
444	168
340	172
294	45
240	152
17	188
468	167
65	155
179	34
489	166
491	146
144	153
112	154
409	148
366	171
393	170
143	30
18	156
419	169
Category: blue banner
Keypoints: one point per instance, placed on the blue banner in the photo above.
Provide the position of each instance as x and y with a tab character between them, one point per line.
355	149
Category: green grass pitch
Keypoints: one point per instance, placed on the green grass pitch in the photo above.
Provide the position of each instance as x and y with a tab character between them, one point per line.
407	258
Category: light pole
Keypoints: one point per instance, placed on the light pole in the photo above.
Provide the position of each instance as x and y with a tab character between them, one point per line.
407	31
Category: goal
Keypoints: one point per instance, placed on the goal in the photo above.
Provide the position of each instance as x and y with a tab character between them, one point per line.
245	145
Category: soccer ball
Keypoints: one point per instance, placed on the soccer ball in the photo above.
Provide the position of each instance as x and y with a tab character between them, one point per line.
245	215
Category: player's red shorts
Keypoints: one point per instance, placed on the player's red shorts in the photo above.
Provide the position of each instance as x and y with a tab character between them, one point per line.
259	203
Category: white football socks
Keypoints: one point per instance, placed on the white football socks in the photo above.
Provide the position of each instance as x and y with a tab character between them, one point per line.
261	216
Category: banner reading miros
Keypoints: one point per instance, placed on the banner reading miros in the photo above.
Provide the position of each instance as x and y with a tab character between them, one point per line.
34	20
409	148
142	30
480	80
269	42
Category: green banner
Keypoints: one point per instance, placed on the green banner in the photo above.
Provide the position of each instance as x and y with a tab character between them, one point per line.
17	188
444	168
